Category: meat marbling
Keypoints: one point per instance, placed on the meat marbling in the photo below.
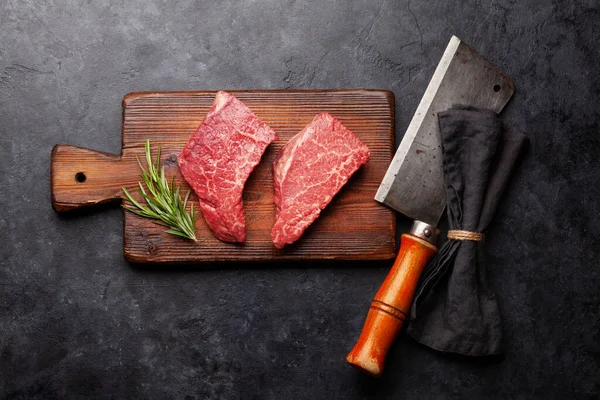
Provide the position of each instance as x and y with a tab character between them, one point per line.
308	172
218	159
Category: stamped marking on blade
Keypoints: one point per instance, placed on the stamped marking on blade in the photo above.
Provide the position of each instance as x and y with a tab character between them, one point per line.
414	181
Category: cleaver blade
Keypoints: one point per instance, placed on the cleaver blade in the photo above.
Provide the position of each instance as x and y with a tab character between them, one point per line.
414	186
414	182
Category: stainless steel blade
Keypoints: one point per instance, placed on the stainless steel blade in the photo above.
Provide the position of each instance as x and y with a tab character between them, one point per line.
414	181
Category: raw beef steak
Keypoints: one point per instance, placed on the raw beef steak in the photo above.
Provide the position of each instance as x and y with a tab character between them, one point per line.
309	170
218	159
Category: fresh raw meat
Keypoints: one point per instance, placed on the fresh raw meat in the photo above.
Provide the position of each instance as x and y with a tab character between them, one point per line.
309	170
218	159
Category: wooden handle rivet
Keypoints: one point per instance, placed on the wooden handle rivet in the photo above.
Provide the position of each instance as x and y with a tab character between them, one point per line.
172	158
80	177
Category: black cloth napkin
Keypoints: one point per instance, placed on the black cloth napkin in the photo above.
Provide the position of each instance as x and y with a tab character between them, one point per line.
454	309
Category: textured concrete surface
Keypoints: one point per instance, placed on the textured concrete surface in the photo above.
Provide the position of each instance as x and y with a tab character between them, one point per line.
77	321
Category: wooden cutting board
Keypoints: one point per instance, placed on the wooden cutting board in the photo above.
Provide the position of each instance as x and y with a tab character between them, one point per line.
352	227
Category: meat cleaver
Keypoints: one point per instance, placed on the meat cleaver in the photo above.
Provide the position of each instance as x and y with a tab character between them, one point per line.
414	186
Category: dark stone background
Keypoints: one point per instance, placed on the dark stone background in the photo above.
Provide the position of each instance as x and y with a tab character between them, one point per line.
76	320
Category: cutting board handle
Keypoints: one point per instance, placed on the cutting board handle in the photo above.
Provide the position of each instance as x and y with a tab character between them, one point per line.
391	305
82	177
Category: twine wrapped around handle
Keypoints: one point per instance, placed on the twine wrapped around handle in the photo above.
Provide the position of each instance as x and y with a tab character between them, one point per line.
465	235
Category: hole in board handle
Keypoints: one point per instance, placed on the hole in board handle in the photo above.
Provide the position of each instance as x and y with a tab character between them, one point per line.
497	88
80	177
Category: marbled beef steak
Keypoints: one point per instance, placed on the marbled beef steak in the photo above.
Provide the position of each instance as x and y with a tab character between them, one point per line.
309	170
218	159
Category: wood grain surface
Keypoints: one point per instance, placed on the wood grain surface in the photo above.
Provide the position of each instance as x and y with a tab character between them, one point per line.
352	227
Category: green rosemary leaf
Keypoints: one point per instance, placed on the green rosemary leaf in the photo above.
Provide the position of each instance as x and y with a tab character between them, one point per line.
163	200
185	200
178	233
131	199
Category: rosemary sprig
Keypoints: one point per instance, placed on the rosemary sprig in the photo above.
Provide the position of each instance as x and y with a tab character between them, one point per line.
163	201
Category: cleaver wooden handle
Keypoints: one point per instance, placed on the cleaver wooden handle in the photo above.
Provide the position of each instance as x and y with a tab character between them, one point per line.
391	305
81	177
